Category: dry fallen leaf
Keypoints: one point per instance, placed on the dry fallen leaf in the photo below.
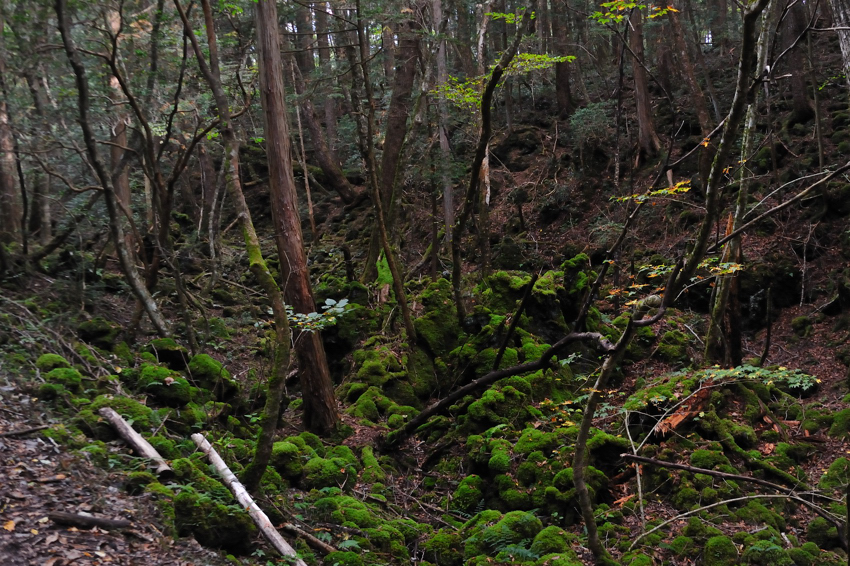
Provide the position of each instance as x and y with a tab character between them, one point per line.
9	526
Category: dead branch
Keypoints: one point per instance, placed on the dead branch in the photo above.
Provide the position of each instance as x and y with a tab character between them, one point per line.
139	444
260	518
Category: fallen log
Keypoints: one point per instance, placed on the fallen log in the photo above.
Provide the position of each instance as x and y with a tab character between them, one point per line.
242	496
89	522
139	444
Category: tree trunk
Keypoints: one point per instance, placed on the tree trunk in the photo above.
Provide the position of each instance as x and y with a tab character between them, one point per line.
648	142
841	17
395	133
320	413
445	151
803	111
11	212
563	95
117	232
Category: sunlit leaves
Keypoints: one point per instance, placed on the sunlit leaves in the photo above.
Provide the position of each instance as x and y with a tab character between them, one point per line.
678	188
617	10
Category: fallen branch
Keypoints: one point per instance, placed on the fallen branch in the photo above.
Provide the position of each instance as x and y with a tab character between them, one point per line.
242	496
313	541
24	431
724	475
89	522
139	444
396	437
786	493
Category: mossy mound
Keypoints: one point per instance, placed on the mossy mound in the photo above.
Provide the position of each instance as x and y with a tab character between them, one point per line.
438	330
98	332
213	524
328	472
47	362
209	373
720	551
166	386
468	494
286	458
70	379
168	352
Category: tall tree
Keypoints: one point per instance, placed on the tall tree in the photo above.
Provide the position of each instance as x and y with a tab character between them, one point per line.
648	142
10	197
841	17
320	407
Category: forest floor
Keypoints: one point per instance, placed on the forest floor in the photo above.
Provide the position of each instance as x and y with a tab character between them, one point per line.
40	477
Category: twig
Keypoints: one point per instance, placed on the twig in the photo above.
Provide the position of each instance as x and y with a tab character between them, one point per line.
24	431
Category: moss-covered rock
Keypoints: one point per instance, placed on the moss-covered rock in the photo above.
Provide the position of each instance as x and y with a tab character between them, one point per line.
137	481
840	424
837	476
287	460
98	332
168	352
673	347
213	524
720	551
767	553
167	386
334	472
468	494
552	540
437	330
47	362
209	373
70	379
822	533
372	471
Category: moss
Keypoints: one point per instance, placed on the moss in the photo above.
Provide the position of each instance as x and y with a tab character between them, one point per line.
698	530
343	558
840	424
720	551
165	446
500	462
320	472
421	373
137	481
673	347
683	546
822	533
837	476
98	332
372	471
344	453
210	374
70	437
169	352
341	509
754	513
123	352
802	326
513	528
140	416
535	440
801	557
767	553
552	540
438	329
70	379
444	548
213	524
468	494
167	386
708	459
48	362
97	453
286	459
686	498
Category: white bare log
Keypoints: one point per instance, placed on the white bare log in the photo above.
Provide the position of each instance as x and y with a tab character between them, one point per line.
242	496
139	444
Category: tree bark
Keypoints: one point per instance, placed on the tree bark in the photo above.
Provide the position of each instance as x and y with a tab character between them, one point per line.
841	17
11	212
648	142
320	413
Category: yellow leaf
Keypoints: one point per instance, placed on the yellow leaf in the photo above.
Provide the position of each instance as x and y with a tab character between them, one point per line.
34	531
9	526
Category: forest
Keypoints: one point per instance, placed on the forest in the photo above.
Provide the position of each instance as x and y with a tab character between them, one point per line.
439	282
